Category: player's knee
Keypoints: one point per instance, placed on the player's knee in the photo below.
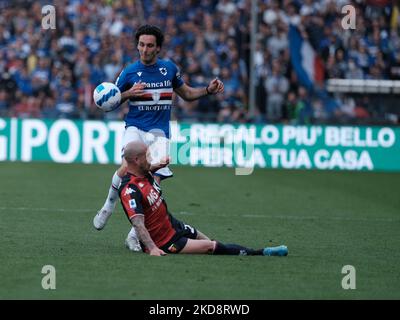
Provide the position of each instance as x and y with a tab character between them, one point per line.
212	246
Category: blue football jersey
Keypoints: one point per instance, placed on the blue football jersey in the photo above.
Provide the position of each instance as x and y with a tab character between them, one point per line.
153	109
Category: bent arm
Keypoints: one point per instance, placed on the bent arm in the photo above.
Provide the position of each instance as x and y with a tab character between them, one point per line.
124	96
136	90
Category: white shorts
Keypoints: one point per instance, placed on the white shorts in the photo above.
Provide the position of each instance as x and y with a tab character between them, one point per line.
156	141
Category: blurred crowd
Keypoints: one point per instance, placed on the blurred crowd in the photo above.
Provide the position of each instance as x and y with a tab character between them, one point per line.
51	73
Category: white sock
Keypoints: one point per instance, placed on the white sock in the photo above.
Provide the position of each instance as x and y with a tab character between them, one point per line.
112	196
132	233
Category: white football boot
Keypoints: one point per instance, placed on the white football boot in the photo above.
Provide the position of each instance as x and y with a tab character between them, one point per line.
132	241
100	219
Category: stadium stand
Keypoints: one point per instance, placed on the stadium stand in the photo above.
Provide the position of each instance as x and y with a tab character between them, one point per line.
52	73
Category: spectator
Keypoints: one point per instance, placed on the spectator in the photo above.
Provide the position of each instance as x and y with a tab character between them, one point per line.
41	75
27	107
278	42
303	110
65	105
320	115
353	71
276	86
92	38
49	110
4	105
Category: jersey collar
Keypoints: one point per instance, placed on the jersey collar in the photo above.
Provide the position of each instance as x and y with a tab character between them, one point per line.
149	65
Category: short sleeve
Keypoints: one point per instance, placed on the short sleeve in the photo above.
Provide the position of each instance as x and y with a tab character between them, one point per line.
131	199
121	81
177	79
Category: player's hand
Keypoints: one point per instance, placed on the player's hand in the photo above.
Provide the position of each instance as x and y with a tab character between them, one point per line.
136	90
163	163
215	86
157	252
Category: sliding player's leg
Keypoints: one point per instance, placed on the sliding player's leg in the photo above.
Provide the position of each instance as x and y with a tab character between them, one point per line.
201	236
218	248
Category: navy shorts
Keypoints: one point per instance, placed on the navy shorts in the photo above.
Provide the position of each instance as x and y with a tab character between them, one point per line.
179	240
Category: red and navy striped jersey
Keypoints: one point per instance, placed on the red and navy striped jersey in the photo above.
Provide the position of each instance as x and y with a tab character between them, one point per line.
153	109
144	196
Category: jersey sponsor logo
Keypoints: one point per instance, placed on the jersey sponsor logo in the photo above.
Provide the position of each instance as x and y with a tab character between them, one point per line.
156	186
141	185
155	108
132	204
128	191
160	84
163	71
139	73
152	197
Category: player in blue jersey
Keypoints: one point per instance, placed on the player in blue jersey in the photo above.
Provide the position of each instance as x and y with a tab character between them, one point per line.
148	85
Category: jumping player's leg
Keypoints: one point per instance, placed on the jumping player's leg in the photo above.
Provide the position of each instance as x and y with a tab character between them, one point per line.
100	219
159	148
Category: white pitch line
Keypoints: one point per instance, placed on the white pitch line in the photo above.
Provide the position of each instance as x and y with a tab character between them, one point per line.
318	218
291	217
186	213
45	209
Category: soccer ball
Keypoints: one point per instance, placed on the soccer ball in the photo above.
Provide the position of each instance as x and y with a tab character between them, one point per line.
107	96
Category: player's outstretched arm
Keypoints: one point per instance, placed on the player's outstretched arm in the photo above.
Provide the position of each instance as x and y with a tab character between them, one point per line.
189	94
144	236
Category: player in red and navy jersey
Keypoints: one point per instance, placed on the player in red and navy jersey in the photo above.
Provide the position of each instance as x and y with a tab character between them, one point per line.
159	232
148	85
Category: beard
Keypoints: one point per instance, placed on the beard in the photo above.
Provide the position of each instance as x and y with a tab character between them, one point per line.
147	58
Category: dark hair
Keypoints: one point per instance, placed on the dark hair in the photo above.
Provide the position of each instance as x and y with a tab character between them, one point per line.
150	30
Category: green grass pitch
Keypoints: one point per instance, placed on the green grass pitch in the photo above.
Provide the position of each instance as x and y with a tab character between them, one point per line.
327	220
